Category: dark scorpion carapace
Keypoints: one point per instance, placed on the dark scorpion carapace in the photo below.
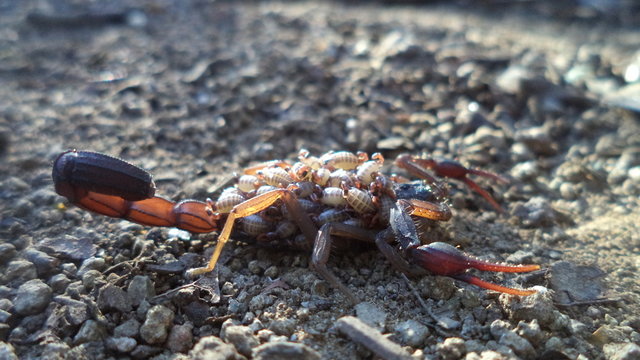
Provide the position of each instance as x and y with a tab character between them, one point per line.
339	195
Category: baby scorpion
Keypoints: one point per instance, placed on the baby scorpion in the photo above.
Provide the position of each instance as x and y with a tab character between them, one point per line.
338	195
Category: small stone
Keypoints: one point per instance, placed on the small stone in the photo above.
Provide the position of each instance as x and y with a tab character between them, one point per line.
111	297
92	278
536	212
371	315
537	139
7	352
621	351
538	306
121	344
180	338
530	331
527	170
241	337
69	247
284	351
518	344
607	334
92	263
260	301
145	351
271	272
128	328
59	283
213	348
6	304
154	330
451	349
498	328
554	343
448	323
75	312
283	326
412	333
254	267
140	288
7	252
91	330
32	297
44	263
20	271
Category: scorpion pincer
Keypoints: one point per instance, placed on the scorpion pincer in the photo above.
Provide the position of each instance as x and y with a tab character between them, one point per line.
327	200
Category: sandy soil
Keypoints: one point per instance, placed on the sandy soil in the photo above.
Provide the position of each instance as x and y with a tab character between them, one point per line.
196	91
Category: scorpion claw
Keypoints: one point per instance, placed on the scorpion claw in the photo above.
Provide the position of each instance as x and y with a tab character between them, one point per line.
444	259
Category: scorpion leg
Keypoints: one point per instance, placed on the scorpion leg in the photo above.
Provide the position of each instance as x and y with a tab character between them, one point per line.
253	206
450	169
112	187
322	250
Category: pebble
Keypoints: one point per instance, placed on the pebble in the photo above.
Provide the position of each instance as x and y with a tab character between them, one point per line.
518	344
284	351
121	344
145	351
259	302
19	271
538	306
69	247
32	297
6	304
283	326
91	330
44	263
608	334
91	279
7	352
371	315
128	328
7	252
75	312
180	338
452	348
621	351
140	288
4	316
271	272
241	337
92	263
530	331
412	333
213	348
59	283
537	212
111	297
537	139
524	171
156	326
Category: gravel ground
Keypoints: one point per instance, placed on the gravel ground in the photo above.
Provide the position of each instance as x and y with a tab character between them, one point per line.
194	91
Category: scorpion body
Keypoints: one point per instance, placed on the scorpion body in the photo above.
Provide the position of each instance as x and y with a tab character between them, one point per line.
339	195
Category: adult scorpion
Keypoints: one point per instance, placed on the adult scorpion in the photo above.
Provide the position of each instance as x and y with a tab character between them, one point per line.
339	195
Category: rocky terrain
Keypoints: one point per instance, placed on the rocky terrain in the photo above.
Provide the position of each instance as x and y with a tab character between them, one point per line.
547	95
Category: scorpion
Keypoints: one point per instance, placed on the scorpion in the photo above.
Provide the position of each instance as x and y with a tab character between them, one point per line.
307	204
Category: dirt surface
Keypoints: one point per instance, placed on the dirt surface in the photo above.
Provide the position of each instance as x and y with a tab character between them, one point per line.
195	91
